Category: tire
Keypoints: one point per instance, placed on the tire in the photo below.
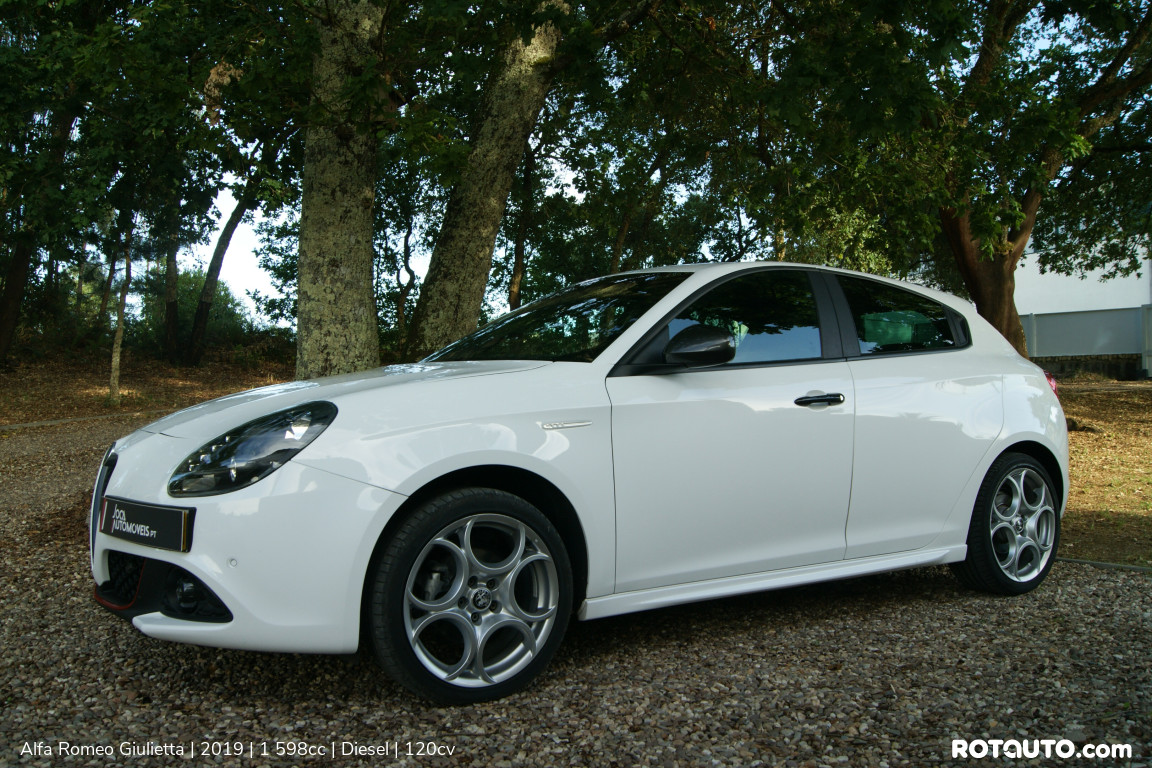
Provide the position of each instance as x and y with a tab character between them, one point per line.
470	598
1015	528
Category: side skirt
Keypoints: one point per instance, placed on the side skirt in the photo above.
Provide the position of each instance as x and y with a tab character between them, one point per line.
648	599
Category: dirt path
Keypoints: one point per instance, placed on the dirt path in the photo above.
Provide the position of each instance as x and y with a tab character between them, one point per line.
50	467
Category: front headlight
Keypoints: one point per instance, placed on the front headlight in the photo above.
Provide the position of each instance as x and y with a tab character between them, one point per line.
250	452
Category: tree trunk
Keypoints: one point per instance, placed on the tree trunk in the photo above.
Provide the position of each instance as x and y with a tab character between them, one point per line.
519	267
453	291
15	282
519	258
172	298
405	286
118	337
81	267
198	341
24	245
990	282
100	322
780	243
336	309
615	263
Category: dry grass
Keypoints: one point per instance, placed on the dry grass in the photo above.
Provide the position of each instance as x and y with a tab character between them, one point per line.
1109	515
61	387
1110	504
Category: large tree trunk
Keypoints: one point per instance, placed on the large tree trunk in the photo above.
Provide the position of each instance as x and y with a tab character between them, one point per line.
336	310
453	291
198	341
990	282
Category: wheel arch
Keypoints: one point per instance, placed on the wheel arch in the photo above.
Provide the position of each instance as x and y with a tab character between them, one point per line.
995	567
1047	459
528	485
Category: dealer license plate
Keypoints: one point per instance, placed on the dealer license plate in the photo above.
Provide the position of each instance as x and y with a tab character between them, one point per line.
148	524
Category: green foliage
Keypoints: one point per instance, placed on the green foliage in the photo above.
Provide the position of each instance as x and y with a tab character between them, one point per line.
871	120
408	208
834	133
61	303
1099	213
229	325
277	256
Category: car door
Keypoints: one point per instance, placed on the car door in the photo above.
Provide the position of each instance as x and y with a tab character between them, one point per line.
742	467
926	414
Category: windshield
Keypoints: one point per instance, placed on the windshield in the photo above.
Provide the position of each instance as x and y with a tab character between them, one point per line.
576	324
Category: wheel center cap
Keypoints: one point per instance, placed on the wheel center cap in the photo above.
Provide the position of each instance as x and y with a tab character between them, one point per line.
481	598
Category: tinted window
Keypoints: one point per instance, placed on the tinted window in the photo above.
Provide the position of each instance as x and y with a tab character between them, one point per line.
575	324
889	319
771	314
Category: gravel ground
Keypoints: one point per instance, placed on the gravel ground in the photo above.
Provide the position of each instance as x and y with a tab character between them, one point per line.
882	671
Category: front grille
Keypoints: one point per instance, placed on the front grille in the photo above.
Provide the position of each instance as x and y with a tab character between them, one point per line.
124	572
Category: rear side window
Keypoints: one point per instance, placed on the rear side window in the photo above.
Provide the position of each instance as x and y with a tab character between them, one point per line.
890	319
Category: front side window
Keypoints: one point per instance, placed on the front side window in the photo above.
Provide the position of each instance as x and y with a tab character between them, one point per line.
771	315
890	319
576	324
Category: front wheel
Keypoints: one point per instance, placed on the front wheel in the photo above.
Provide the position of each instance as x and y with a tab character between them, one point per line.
1015	528
470	597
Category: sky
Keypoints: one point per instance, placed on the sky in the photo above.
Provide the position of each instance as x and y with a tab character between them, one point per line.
240	270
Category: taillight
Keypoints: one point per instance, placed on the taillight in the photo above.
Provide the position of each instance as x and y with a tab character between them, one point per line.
1052	383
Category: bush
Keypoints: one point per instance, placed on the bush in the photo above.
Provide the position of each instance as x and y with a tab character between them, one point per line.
229	324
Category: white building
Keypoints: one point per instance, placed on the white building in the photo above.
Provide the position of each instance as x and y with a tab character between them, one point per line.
1072	317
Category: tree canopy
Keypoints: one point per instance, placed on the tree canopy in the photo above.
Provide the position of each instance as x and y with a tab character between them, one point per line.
424	167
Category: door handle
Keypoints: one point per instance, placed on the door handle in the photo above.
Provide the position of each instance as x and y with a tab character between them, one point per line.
832	398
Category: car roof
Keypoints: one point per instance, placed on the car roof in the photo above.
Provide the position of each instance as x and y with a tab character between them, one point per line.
718	268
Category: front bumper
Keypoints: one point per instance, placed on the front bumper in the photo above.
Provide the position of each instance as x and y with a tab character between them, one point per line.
277	566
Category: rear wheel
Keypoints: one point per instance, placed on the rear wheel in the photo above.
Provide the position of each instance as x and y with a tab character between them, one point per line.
1015	528
470	597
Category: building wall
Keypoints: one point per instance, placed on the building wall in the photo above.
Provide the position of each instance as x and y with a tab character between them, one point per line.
1040	294
1099	332
1098	322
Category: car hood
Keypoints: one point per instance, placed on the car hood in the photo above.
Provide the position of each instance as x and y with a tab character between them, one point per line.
210	419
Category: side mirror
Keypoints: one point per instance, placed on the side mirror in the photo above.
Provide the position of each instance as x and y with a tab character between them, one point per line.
700	345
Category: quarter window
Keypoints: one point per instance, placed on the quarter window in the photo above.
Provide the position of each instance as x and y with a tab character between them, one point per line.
771	314
890	319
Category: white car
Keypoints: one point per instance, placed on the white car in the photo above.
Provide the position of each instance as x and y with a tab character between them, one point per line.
636	441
